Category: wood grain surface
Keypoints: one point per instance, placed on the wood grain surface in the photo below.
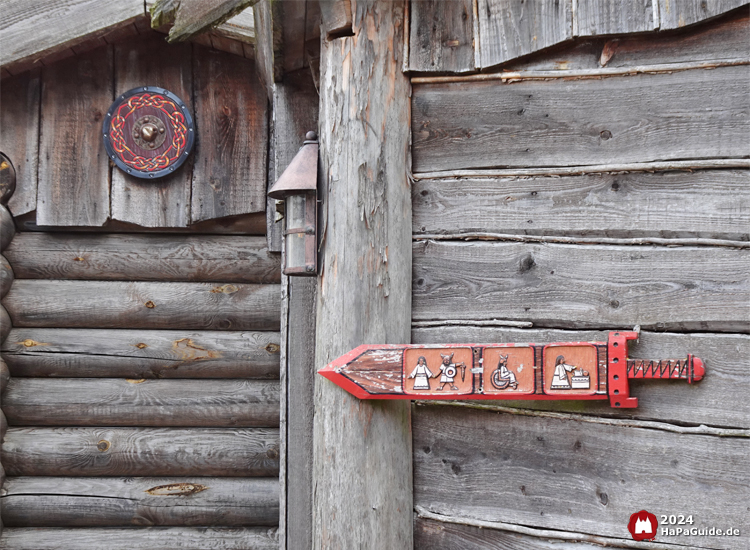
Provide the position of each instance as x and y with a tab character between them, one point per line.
712	204
581	122
6	276
718	400
442	36
679	14
720	39
595	17
36	28
596	286
144	501
73	165
235	452
139	402
19	136
562	474
148	60
143	257
109	304
512	28
97	353
229	176
140	538
362	495
439	535
7	228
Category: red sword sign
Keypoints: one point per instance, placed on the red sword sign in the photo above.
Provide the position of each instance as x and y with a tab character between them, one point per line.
563	370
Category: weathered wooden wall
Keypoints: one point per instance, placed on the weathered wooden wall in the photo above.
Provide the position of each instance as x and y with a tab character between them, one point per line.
459	36
98	412
573	199
51	130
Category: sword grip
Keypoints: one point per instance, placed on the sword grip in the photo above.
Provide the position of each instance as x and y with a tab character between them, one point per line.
690	369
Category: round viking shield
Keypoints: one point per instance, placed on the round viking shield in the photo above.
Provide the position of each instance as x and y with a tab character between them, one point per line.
148	132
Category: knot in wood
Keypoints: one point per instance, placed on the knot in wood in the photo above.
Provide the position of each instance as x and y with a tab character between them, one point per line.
150	304
103	445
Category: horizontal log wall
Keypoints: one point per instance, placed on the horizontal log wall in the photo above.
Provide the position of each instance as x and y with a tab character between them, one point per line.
119	501
146	538
95	353
104	399
601	215
141	452
140	257
157	305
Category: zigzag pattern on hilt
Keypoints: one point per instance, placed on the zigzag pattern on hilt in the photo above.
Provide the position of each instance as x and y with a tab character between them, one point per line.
668	368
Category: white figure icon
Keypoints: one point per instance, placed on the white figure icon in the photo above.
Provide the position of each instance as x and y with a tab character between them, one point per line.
421	375
643	526
560	378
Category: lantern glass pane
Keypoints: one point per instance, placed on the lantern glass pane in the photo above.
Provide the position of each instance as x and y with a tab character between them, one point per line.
295	242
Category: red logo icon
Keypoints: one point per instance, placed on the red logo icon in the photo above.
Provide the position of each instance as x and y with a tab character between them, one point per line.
642	525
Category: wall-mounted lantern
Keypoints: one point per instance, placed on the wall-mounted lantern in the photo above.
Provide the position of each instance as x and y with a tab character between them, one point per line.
298	187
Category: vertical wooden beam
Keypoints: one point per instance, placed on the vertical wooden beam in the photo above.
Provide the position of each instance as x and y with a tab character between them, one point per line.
295	112
362	473
73	166
148	61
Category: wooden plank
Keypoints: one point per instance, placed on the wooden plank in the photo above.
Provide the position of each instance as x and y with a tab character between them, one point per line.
139	257
712	204
546	123
595	17
164	202
362	452
145	501
140	538
719	400
442	36
233	452
189	19
109	304
268	43
87	353
570	286
33	29
19	136
120	402
439	535
295	112
246	224
336	18
229	176
673	15
293	29
300	406
721	39
241	27
512	28
562	474
73	166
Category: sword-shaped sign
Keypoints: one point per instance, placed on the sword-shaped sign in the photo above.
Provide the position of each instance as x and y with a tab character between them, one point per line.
563	370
